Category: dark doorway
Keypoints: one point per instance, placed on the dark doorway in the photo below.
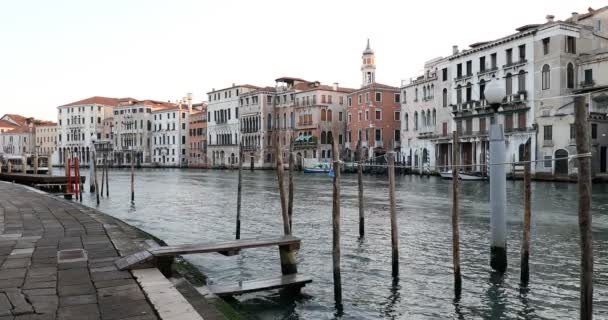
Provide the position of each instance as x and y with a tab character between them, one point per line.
561	166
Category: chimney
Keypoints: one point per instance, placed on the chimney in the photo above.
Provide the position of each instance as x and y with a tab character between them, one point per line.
335	86
190	102
550	18
575	17
454	49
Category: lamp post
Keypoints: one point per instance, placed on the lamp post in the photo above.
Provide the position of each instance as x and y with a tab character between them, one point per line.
494	93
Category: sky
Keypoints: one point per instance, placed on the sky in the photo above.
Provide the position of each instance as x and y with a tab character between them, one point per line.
56	52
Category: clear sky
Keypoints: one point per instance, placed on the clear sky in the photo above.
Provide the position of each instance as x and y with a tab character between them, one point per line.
60	51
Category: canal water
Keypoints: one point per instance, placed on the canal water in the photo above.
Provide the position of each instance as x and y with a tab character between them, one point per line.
186	206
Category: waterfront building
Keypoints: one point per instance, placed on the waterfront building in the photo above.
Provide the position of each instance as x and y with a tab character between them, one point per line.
6	126
223	124
570	59
426	124
197	136
374	112
256	113
320	113
18	141
132	128
79	121
537	67
169	132
46	140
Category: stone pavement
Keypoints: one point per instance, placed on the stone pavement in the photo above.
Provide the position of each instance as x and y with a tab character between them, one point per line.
57	262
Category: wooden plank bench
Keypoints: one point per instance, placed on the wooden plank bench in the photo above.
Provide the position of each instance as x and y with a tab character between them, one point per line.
162	257
242	287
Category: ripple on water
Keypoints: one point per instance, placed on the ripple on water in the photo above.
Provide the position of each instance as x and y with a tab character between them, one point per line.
185	206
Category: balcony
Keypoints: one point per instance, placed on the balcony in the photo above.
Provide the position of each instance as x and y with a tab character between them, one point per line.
587	84
547	143
379	144
305	142
518	97
514	64
463	77
486	71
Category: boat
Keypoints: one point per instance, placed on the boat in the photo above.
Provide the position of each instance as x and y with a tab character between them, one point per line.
471	176
318	168
446	175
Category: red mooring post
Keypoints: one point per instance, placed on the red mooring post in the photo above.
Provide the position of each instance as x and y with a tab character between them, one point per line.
77	176
69	186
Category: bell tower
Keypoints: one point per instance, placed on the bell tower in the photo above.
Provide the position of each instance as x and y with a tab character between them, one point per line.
368	66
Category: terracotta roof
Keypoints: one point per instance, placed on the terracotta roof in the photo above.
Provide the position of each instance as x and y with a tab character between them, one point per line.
98	100
590	13
7	124
19	119
330	88
20	130
43	123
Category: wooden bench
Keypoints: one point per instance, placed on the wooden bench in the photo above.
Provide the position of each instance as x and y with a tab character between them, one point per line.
242	287
162	257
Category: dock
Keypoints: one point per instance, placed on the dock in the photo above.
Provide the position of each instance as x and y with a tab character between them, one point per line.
36	179
57	262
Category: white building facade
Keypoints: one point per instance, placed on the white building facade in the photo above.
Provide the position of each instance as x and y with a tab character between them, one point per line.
168	138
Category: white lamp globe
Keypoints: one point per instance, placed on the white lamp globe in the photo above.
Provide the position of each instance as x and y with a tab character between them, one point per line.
494	91
93	138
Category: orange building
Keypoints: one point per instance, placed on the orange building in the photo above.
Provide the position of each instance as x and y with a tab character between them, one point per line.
197	136
374	113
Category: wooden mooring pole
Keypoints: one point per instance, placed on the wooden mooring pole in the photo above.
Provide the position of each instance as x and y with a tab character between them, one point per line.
584	207
91	179
393	210
336	226
103	176
105	162
95	176
132	177
238	193
525	244
455	216
288	257
360	195
49	164
290	186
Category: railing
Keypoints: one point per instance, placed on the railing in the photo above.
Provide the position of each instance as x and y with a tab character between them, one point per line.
587	83
489	70
378	144
515	63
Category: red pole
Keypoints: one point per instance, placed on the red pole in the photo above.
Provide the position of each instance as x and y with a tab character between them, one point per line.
76	175
69	187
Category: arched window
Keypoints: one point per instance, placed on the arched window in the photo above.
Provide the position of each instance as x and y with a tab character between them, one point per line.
323	117
323	138
546	77
407	124
269	121
469	92
521	79
416	120
428	117
329	115
432	91
509	84
423	118
434	117
330	138
424	93
416	94
445	97
459	94
570	75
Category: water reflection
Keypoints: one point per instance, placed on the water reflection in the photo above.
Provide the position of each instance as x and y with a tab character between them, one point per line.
186	206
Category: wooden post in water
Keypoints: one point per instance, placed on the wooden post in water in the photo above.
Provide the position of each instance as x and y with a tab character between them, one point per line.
24	164
584	207
105	162
91	178
9	168
36	163
76	178
103	175
69	177
288	257
290	186
95	175
336	226
238	193
393	209
132	177
525	244
360	195
455	216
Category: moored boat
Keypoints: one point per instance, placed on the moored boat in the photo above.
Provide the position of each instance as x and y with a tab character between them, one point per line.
446	175
471	176
318	168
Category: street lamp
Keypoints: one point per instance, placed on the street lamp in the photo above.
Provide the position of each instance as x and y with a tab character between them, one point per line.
494	94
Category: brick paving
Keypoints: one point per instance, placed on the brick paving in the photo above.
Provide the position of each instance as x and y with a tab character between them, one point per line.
56	261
